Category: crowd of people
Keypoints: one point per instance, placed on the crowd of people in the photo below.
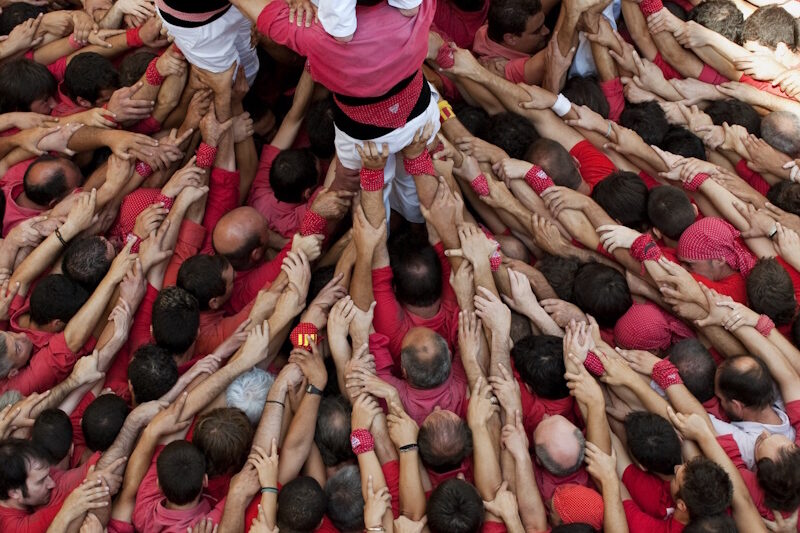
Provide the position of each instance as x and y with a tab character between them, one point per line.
449	266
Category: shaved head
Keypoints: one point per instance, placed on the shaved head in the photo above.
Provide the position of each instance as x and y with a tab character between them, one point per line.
241	236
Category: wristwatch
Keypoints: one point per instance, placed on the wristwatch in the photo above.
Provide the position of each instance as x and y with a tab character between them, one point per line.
311	389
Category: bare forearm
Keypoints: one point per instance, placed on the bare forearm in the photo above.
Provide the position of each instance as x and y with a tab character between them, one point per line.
412	494
272	418
299	438
81	325
531	508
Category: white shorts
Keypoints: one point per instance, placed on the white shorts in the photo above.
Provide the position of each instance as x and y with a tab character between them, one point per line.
214	46
400	192
338	17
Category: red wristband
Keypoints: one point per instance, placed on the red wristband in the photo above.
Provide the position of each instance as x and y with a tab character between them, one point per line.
648	7
765	325
644	249
445	57
361	441
480	185
371	179
152	76
304	335
133	38
313	224
143	169
593	364
495	260
73	43
695	183
538	180
665	374
420	165
205	155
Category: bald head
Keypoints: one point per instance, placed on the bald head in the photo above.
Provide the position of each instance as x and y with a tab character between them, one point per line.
781	129
241	236
559	445
48	179
425	358
444	440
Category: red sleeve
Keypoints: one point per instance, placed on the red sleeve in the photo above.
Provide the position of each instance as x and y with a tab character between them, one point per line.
140	330
447	289
46	369
765	86
190	239
247	284
594	165
666	69
793	412
261	186
379	348
641	522
390	317
731	448
223	196
58	68
515	70
710	75
274	22
752	177
733	286
147	126
493	527
646	490
79	443
612	89
212	335
391	473
118	526
148	496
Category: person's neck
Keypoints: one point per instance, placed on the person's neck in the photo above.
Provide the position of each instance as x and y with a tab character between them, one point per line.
23	201
185	507
424	311
681	516
767	415
13	504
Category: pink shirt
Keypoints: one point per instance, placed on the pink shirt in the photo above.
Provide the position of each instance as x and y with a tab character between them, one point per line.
12	188
485	47
387	47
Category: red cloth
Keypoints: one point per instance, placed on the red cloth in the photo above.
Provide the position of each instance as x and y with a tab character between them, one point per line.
613	91
641	522
645	326
710	75
392	320
548	483
460	26
666	69
223	196
578	504
65	106
419	403
21	521
390	112
648	180
142	320
12	188
493	527
437	478
485	47
215	327
146	126
734	286
650	492
354	68
150	514
131	207
282	217
247	283
78	441
714	238
191	237
594	166
765	86
753	178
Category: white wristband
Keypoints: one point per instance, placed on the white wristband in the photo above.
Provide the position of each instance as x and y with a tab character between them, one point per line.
562	105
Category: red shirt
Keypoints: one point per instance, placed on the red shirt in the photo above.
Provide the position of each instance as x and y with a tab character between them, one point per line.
12	188
419	403
548	482
765	86
215	327
223	196
734	285
460	26
247	283
437	478
357	68
131	207
650	492
594	165
754	179
641	522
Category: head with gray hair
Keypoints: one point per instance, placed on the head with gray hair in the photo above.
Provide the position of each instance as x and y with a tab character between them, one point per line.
249	391
781	129
425	358
345	502
559	445
10	397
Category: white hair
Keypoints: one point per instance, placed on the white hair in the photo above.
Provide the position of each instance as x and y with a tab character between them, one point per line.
249	391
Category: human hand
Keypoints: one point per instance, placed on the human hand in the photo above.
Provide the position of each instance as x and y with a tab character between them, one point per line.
86	369
464	63
123	105
787	242
789	82
588	119
90	494
340	317
781	524
694	91
480	151
600	465
482	404
475	246
522	299
635	90
302	11
624	60
764	158
312	365
365	410
143	9
514	438
538	98
691	35
547	236
198	108
242	127
402	428
419	143
259	525
663	20
362	321
81	215
691	427
127	144
364	383
332	205
557	65
26	233
171	63
6	297
615	237
266	464
26	120
738	315
211	129
205	525
309	245
150	33
582	385
257	343
717	314
504	504
23	36
150	220
91	524
640	360
761	224
617	371
371	157
58	140
403	524
761	66
511	169
189	176
153	250
492	312
469	335
446	210
578	341
562	312
376	505
506	389
557	199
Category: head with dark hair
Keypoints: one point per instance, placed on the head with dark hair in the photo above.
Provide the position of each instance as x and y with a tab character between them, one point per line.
559	445
102	420
209	278
52	433
469	5
718	523
778	471
151	373
242	236
786	195
722	16
770	291
224	435
15	14
653	442
743	383
24	474
181	470
301	505
770	28
293	175
455	507
319	125
781	130
703	488
133	67
585	90
416	271
345	501
425	358
676	10
319	278
623	195
735	112
556	161
647	119
602	292
475	119
90	79
55	300
176	319
86	261
559	273
444	441
695	366
26	85
511	132
517	24
680	141
332	433
670	211
539	359
49	179
573	528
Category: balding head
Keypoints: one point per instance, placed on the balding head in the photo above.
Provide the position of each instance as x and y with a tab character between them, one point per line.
559	445
781	129
49	179
241	236
444	440
425	358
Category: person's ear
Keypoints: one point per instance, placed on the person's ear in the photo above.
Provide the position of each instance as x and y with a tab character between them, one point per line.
83	102
13	372
205	480
16	494
307	194
781	51
510	39
681	505
257	254
656	233
58	324
576	161
214	303
694	208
